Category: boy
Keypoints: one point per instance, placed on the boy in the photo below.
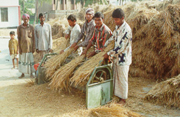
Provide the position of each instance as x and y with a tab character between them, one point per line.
13	48
121	55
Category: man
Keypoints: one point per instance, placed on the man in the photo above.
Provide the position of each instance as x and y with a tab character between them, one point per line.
121	55
26	44
87	30
101	34
73	30
43	37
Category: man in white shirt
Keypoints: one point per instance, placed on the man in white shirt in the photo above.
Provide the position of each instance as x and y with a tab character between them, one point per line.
73	30
43	36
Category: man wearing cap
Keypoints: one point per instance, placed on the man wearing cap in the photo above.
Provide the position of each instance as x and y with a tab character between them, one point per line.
86	31
43	36
26	42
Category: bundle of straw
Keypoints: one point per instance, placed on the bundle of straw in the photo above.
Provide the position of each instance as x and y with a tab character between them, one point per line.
83	72
60	79
53	64
166	93
112	111
60	44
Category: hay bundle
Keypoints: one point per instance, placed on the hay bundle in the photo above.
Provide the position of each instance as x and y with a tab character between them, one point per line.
156	46
139	17
52	21
53	64
166	93
58	27
83	72
112	111
60	44
60	79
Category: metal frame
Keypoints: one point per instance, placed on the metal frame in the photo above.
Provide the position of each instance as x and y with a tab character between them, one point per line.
88	85
41	79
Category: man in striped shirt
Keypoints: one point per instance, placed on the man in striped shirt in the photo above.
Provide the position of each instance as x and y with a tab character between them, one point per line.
101	34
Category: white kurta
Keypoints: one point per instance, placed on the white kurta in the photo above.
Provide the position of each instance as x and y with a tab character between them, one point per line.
43	37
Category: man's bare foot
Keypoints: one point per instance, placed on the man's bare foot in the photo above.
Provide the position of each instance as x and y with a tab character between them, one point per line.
122	102
22	76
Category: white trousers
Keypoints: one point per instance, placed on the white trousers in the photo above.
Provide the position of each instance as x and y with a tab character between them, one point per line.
26	63
120	75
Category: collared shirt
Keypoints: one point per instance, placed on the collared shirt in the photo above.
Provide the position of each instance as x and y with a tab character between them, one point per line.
74	33
43	37
13	46
100	36
123	44
26	39
86	32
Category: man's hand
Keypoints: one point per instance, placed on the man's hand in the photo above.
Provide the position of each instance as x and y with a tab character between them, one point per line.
67	36
50	50
61	51
73	45
84	52
76	47
91	54
102	49
33	51
20	52
106	56
37	50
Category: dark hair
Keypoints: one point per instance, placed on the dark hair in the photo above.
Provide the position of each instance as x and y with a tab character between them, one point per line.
72	17
118	13
41	14
12	33
98	15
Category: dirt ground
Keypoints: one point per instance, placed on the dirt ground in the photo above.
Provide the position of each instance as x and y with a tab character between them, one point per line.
21	98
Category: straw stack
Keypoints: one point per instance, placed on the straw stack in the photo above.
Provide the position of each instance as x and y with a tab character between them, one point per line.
113	111
166	93
60	79
60	44
82	74
53	64
156	46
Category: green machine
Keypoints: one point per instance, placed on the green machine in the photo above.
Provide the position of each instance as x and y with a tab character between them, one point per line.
99	88
40	73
